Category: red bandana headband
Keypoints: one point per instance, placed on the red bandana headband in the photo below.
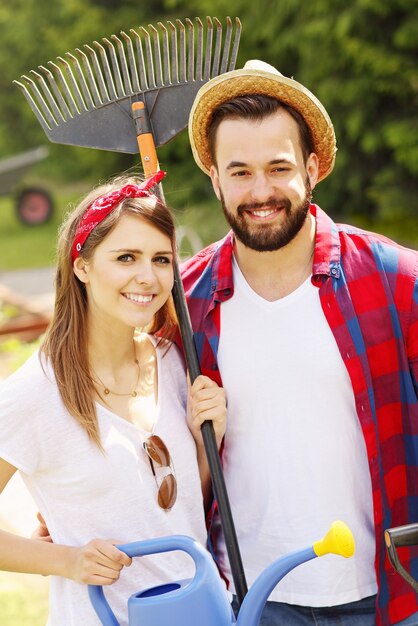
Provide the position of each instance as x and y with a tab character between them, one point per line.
100	208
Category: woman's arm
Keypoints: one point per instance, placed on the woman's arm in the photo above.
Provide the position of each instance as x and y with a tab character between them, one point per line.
206	401
97	563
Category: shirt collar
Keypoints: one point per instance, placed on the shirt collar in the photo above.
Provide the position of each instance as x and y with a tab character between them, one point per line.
326	261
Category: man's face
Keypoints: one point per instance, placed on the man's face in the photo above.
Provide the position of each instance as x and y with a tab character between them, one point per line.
262	180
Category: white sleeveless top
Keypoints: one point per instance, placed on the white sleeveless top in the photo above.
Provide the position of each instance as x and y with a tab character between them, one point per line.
295	459
84	494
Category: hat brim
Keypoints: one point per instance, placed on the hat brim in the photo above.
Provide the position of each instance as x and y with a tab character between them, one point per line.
250	81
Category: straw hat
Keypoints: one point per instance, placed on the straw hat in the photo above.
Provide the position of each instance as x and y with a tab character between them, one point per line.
258	77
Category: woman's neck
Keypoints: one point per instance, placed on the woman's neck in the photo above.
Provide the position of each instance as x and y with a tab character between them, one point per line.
110	348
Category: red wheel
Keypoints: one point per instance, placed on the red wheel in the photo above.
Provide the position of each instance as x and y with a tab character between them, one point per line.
34	206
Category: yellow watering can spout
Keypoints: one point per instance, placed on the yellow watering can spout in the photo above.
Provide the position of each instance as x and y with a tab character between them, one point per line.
338	540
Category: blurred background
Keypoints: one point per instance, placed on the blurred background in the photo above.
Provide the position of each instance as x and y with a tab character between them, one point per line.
359	58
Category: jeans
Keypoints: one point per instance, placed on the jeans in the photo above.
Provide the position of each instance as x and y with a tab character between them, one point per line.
360	613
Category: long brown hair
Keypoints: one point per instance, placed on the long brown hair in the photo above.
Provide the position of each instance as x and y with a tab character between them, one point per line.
66	340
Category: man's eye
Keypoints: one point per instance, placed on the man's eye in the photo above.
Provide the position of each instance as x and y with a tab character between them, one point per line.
240	173
125	258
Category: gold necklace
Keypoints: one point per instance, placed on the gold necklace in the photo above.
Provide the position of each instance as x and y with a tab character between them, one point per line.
133	393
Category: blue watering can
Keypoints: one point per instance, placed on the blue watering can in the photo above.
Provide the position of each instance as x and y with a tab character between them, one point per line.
202	600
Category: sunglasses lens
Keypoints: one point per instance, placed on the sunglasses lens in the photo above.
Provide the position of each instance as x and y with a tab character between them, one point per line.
167	492
157	450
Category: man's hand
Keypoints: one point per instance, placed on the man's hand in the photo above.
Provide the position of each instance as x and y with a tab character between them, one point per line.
206	401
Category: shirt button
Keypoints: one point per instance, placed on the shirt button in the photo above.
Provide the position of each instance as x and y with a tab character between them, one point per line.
334	271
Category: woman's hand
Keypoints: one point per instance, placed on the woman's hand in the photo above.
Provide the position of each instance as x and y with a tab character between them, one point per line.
41	533
206	401
97	563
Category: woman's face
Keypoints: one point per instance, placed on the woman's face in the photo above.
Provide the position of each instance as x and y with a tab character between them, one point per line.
130	274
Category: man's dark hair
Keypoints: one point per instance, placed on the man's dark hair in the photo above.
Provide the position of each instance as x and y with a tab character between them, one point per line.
257	107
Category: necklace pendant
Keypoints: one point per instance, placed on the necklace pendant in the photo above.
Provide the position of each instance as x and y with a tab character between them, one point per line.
134	394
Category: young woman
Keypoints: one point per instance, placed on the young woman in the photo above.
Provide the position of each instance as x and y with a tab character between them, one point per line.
96	421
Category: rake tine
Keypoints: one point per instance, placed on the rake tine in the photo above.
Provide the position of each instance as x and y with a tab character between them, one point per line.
208	51
106	86
199	52
64	88
150	62
115	67
68	108
166	54
174	60
234	54
88	100
124	65
182	51
65	111
131	60
52	103
227	45
73	83
42	120
217	52
190	44
141	61
157	56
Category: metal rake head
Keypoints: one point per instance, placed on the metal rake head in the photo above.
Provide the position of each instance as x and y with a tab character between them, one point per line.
84	98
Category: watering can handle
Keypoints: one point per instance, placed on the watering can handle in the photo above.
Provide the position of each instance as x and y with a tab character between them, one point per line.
142	548
397	538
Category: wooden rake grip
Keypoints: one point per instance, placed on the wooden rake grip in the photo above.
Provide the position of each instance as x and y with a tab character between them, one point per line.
145	139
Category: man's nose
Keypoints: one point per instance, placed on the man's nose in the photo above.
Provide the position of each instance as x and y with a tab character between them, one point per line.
262	188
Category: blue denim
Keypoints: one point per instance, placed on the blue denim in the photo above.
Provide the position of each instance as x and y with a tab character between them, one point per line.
360	613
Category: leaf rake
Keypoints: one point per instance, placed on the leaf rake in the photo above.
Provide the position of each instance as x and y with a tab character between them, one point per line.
132	94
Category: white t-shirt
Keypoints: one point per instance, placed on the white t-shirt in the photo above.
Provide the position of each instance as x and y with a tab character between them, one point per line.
294	458
85	494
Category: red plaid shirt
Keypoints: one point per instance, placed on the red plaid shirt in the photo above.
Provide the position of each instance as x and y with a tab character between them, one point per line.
368	288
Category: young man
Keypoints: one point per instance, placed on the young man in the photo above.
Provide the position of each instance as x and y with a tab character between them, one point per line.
313	329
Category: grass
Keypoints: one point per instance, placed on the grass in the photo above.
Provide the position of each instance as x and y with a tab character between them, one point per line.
23	246
23	600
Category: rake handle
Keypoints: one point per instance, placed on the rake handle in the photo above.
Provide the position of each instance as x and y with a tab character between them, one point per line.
150	166
145	139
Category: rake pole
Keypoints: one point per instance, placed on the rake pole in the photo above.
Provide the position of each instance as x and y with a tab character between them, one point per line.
150	165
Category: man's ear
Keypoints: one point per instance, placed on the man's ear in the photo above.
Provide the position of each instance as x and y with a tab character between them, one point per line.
214	176
81	270
312	168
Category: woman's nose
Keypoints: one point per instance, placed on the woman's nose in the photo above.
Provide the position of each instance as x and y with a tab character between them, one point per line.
145	274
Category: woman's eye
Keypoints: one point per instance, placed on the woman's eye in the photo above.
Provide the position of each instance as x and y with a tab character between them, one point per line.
125	258
163	260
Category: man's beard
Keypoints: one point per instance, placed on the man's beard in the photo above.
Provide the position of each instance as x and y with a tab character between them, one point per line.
263	238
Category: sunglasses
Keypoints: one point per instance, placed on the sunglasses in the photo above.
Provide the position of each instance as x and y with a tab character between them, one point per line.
158	453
